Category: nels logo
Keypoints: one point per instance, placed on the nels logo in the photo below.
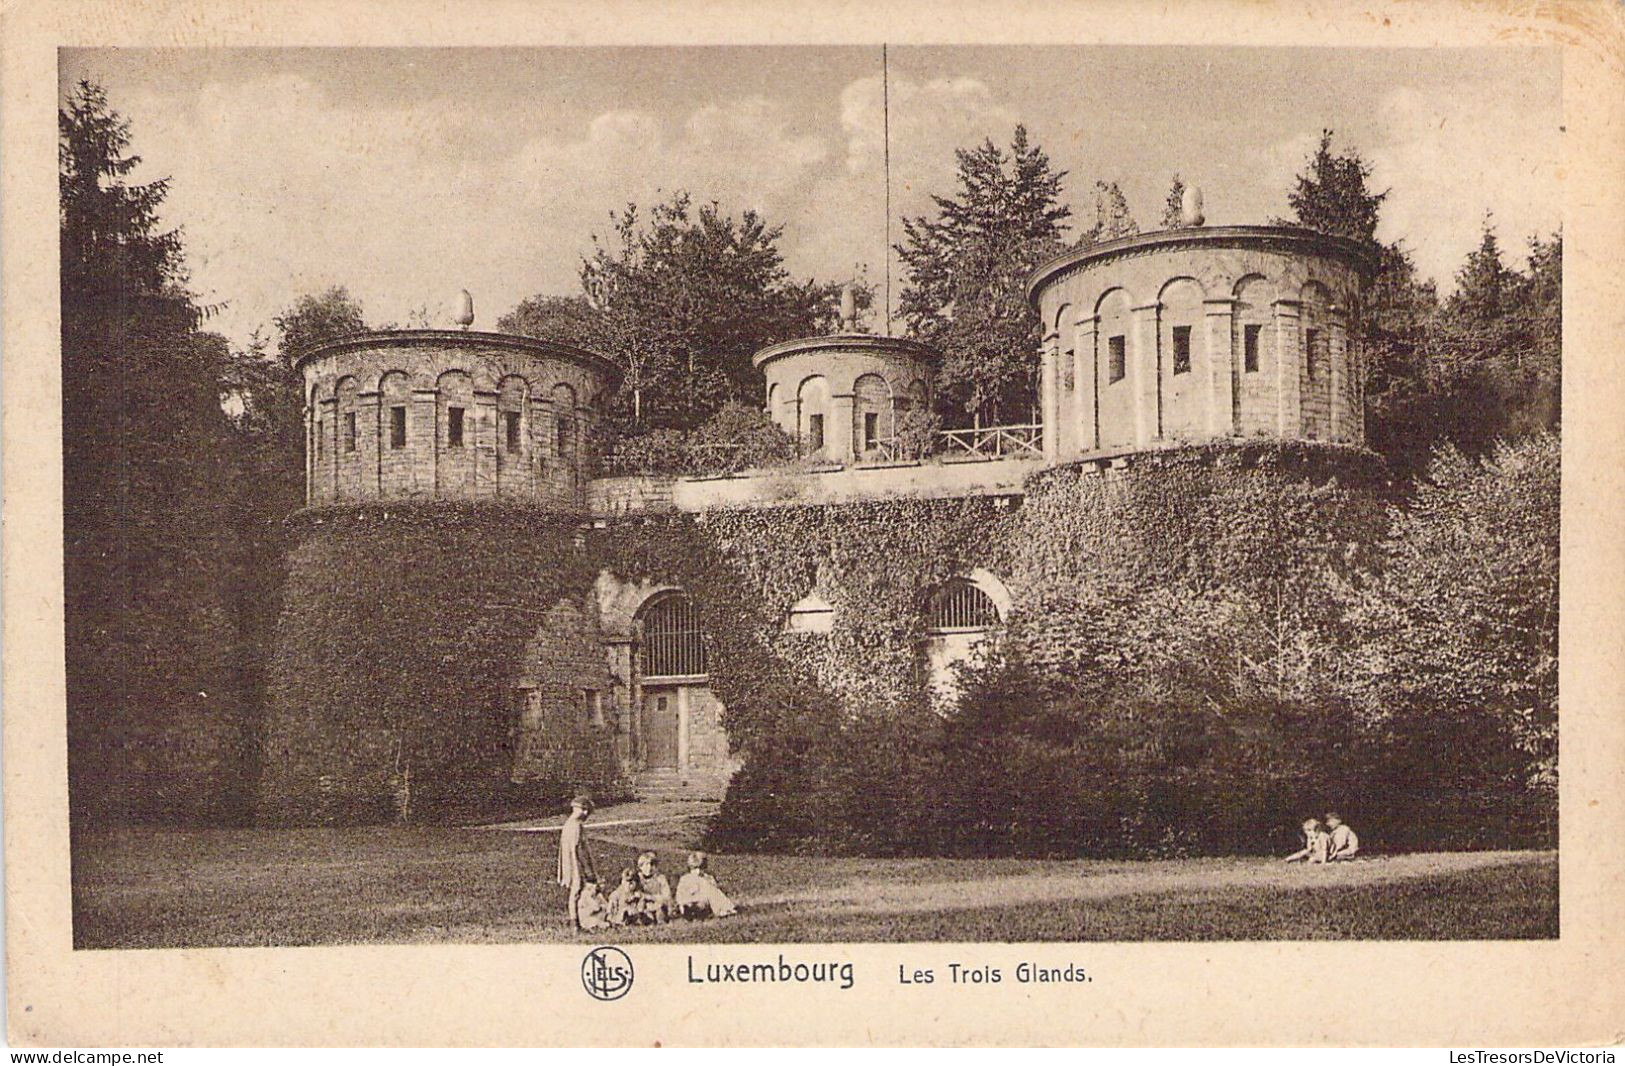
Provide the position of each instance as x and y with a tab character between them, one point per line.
606	973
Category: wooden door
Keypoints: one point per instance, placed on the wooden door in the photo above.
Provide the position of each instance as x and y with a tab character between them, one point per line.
660	728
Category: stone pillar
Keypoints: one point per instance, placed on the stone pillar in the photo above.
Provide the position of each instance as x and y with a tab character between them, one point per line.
586	438
1048	390
623	699
328	421
540	429
483	440
1288	370
682	730
424	442
369	442
1145	375
838	428
1221	359
1086	375
1337	356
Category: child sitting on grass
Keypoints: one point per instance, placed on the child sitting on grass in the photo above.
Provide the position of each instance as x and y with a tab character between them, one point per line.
699	895
592	910
1315	843
1345	844
628	903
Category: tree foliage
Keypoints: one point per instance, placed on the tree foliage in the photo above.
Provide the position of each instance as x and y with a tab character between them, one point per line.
1463	621
155	717
566	319
1113	218
1482	366
1331	194
1173	205
967	269
317	318
685	297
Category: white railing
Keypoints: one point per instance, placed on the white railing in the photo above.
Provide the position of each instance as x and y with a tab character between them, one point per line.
994	442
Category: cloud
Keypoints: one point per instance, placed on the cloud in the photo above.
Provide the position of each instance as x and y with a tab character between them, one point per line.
845	215
1448	158
284	190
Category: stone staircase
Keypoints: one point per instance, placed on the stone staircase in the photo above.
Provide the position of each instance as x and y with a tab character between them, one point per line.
669	784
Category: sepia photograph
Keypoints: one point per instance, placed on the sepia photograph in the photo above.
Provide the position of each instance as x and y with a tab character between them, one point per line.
711	524
785	494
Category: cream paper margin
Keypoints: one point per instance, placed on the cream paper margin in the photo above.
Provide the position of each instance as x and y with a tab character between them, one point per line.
1461	994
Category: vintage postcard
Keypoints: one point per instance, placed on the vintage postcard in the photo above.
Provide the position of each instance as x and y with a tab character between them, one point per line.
559	525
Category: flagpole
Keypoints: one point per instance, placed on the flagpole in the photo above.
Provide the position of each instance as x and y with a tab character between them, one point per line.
885	108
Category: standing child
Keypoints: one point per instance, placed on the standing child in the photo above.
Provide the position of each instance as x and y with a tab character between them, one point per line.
575	857
1315	843
698	894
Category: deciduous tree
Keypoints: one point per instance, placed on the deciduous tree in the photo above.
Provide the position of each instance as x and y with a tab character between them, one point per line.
685	297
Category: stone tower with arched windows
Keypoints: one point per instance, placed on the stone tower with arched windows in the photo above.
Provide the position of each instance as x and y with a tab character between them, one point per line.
451	414
507	634
1191	335
840	396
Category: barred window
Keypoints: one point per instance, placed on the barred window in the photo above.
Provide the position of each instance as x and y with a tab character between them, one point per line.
349	431
1249	347
960	605
454	427
1182	349
673	640
397	426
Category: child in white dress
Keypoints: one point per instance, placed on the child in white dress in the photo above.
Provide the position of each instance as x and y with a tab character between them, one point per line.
1315	843
698	894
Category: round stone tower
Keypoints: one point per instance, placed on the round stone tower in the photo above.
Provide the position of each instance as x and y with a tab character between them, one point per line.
433	413
1197	334
840	395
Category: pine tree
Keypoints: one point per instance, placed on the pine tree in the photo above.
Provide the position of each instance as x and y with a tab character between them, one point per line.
967	269
1173	206
1331	194
1113	219
155	719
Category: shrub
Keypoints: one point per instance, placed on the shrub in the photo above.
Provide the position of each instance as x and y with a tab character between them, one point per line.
736	438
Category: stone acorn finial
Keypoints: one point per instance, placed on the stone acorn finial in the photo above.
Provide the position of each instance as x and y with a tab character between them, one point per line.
1190	206
465	310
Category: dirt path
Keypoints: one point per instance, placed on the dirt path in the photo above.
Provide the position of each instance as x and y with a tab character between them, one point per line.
890	896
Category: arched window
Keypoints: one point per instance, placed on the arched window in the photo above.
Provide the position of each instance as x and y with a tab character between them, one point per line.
959	607
673	640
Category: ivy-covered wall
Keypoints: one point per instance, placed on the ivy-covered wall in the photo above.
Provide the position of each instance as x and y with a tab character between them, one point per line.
394	685
407	629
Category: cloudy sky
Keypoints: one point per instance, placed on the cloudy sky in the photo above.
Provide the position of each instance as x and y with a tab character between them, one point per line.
407	174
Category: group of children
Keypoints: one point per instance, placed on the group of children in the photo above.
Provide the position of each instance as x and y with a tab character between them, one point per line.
1336	841
643	895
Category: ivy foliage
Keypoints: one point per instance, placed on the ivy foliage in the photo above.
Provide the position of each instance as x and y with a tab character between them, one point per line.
403	628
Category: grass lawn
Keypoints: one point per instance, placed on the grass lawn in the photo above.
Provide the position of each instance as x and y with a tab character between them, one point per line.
176	888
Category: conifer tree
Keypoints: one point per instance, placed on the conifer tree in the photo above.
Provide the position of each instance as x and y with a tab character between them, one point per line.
1173	206
1331	194
154	716
967	269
